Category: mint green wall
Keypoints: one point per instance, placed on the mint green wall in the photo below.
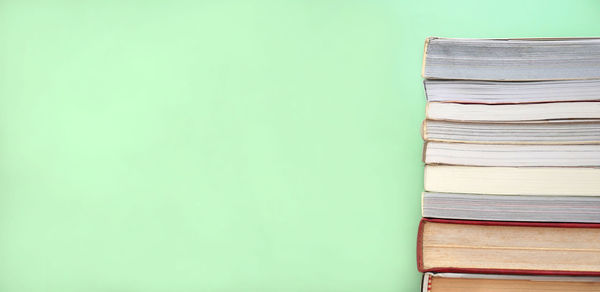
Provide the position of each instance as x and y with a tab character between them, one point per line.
224	145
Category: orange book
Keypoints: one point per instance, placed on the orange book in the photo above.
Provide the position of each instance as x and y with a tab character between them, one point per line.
450	282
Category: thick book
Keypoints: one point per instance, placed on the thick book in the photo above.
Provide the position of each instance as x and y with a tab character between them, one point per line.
554	132
549	181
512	112
461	282
511	154
512	59
496	92
526	208
464	246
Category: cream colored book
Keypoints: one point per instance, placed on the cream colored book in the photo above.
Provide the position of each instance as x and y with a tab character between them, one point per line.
564	181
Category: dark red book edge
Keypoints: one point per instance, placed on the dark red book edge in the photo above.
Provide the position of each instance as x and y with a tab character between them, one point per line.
498	271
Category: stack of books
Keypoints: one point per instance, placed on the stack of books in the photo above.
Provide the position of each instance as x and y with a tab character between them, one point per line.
512	174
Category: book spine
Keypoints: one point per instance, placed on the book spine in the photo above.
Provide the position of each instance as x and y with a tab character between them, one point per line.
422	204
420	246
424	130
426	282
425	56
424	155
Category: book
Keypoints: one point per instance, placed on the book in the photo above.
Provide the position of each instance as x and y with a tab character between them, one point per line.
460	282
512	112
511	154
545	132
508	247
558	208
496	92
573	181
511	197
512	59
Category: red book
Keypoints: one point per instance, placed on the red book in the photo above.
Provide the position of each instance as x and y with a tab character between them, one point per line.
464	246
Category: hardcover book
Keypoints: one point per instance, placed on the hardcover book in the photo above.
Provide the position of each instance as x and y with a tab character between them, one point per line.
508	247
459	282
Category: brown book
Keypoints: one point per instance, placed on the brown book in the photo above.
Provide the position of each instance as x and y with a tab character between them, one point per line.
508	247
449	282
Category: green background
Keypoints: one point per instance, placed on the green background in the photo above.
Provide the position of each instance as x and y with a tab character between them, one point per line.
224	145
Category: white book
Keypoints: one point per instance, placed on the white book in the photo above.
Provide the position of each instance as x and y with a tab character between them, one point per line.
497	92
545	132
528	208
511	154
512	112
512	59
